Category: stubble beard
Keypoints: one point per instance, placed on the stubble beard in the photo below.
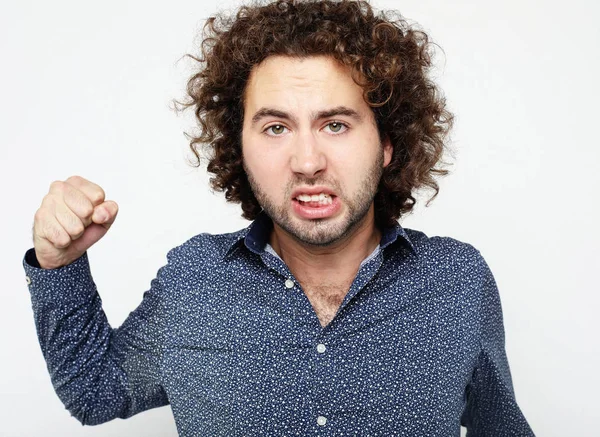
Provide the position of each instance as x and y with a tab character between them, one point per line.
322	232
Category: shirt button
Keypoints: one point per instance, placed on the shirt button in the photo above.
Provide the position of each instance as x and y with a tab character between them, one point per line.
321	420
28	280
321	348
289	283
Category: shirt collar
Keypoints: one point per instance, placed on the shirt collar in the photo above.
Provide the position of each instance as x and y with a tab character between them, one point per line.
256	236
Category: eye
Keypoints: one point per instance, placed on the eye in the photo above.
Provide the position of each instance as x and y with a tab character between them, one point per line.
276	129
336	127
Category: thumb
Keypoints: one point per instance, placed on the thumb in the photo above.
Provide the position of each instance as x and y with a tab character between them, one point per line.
105	213
103	217
91	235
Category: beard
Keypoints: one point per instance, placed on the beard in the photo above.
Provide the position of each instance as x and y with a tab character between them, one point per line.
326	231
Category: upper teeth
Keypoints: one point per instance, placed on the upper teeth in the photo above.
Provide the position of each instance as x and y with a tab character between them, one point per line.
313	198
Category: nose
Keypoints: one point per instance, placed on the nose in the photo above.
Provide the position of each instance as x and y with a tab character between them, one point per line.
307	158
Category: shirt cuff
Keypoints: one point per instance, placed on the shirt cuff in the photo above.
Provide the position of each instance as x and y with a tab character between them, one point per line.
71	282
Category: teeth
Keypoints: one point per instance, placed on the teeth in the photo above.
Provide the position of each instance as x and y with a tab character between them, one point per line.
321	198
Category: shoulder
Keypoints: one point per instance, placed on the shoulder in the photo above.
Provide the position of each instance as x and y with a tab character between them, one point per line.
457	271
196	262
436	245
447	253
204	248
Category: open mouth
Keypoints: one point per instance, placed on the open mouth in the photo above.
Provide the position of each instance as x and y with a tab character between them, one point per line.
316	206
314	200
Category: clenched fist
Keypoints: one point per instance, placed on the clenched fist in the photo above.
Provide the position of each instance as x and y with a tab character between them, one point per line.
72	217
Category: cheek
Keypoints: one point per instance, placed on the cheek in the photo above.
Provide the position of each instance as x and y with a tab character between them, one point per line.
267	167
353	168
264	166
351	162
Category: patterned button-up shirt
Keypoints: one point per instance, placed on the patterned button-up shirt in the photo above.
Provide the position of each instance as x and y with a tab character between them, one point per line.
227	337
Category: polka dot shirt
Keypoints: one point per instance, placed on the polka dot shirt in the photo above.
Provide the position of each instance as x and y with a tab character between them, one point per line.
226	337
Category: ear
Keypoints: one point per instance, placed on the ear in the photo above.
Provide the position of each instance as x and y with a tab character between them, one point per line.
388	149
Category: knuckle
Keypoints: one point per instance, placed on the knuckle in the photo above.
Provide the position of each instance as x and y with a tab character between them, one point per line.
39	215
98	195
47	202
57	185
59	238
75	178
63	243
77	229
87	210
38	222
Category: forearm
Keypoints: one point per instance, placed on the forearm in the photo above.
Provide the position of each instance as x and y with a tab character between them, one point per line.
84	355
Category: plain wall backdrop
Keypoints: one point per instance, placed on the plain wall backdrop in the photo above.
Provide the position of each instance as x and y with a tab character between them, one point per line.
86	88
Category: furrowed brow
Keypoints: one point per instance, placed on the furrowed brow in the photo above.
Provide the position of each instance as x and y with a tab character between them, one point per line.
338	110
271	112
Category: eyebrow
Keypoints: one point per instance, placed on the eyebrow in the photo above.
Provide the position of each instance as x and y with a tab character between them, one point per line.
338	110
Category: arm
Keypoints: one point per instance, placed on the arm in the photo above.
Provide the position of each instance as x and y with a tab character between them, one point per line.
491	408
98	372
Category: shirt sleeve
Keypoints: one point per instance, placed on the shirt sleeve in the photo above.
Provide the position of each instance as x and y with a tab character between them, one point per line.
491	407
99	373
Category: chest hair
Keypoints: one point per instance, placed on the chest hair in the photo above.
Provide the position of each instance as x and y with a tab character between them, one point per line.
326	298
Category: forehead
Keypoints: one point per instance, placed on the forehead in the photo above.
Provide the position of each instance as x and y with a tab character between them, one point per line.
314	82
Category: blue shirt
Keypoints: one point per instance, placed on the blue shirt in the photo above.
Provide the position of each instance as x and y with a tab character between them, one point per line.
226	336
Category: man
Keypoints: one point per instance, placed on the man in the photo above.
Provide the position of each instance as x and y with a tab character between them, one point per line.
324	316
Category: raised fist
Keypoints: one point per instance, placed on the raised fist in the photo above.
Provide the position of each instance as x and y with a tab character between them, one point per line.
72	217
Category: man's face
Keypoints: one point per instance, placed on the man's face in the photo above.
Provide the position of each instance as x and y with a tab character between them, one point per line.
311	148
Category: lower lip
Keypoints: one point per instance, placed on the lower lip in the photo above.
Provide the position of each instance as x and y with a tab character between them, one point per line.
320	212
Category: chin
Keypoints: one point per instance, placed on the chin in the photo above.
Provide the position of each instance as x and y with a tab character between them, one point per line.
318	232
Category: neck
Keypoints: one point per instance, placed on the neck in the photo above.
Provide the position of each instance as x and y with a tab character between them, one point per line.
340	259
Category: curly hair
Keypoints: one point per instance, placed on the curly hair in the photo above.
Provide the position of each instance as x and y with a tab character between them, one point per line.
388	58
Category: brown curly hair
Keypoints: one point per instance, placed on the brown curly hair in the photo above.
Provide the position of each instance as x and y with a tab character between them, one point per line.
388	58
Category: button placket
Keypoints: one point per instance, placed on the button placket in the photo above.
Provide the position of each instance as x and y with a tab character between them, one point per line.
321	382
